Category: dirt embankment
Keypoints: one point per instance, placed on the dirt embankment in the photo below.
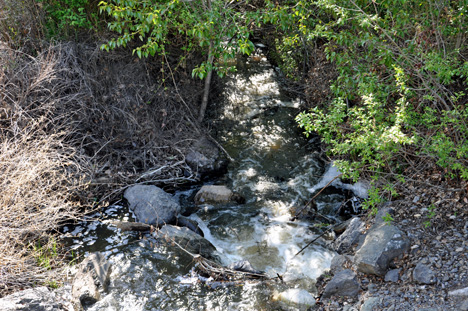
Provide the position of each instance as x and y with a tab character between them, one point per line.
77	125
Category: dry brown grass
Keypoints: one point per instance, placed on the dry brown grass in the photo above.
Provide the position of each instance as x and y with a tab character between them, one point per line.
78	125
42	172
36	196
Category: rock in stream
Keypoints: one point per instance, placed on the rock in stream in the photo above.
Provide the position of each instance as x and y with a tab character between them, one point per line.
152	205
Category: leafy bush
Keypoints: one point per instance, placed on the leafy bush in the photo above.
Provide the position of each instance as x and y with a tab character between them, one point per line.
218	27
402	69
64	18
292	21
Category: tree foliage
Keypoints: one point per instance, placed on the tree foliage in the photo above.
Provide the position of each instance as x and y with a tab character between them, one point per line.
65	18
221	28
401	87
401	64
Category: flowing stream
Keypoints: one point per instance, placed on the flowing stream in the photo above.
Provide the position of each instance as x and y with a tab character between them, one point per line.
275	169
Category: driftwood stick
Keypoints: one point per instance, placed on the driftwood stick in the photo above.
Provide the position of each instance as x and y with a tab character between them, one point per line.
310	201
215	269
308	244
132	226
221	148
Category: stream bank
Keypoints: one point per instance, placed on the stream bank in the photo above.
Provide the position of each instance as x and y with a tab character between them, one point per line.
274	170
432	275
158	283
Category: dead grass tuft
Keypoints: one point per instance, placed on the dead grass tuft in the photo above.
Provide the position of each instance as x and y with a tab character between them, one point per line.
42	172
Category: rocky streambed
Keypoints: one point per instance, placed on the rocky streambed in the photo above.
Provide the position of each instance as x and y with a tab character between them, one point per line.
234	243
431	274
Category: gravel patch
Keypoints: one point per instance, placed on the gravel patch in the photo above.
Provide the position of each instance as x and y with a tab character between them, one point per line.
433	274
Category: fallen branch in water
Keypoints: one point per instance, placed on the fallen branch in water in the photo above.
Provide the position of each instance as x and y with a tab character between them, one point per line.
311	200
221	148
220	273
132	226
308	244
318	237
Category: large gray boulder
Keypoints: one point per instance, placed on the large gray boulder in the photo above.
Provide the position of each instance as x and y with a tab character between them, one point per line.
462	292
204	157
152	205
464	306
371	303
189	223
91	280
187	239
350	236
382	214
33	299
382	244
344	283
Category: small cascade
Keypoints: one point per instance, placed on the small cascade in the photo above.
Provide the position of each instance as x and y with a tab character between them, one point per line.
276	170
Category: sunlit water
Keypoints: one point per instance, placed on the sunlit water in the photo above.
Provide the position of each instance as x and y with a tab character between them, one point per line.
275	169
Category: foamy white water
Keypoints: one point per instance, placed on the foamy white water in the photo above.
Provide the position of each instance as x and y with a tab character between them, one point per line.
275	170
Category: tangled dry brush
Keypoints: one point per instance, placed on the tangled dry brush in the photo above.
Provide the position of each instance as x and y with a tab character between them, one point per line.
75	126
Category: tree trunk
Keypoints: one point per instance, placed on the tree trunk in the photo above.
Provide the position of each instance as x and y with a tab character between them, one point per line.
206	91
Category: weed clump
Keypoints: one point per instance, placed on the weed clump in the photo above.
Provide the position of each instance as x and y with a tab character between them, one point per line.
42	173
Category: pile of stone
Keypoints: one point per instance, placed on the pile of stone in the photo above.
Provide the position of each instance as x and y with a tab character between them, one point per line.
366	257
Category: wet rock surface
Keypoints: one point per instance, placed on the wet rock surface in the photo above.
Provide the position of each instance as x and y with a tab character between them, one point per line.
152	205
34	299
296	297
91	280
244	266
204	157
182	221
216	194
187	239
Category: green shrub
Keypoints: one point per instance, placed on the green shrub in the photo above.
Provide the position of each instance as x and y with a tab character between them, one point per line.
402	71
64	18
219	28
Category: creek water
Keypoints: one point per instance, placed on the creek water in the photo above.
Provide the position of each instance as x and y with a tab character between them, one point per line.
275	168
